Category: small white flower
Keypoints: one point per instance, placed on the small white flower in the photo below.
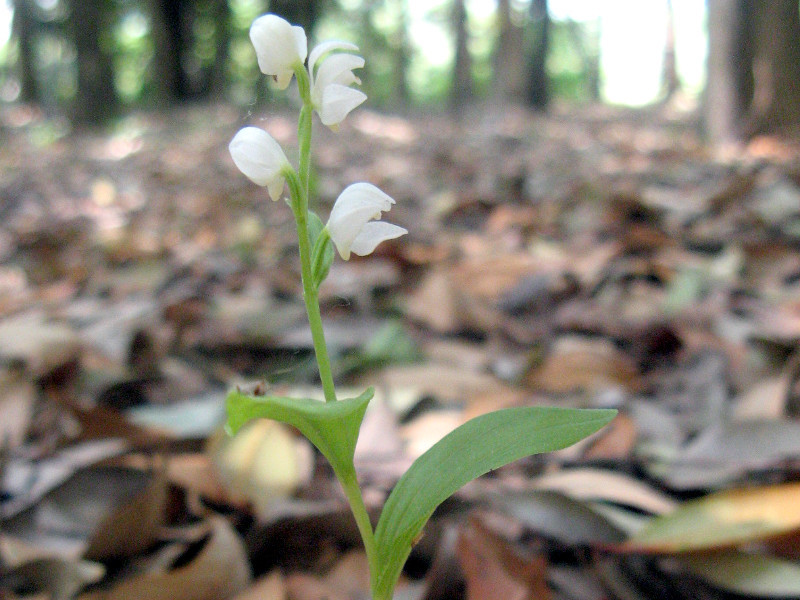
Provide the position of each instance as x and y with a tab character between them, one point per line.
260	158
280	47
352	224
331	94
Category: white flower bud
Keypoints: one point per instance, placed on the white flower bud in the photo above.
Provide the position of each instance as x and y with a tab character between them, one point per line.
260	158
280	47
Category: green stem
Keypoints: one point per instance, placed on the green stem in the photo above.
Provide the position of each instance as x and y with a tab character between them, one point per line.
304	126
299	207
299	187
353	492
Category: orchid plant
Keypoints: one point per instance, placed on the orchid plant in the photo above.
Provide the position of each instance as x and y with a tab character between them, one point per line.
353	227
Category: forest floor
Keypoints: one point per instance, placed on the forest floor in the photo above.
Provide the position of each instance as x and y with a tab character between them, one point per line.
593	257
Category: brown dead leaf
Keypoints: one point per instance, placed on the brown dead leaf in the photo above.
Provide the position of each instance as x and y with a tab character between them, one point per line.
443	382
435	303
582	364
17	397
616	441
220	570
495	571
193	472
307	587
132	527
350	576
269	587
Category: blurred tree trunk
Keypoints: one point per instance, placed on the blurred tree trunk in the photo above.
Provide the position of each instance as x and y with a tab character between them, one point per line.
724	106
24	29
508	60
537	83
753	81
96	99
670	83
461	89
776	67
222	38
170	43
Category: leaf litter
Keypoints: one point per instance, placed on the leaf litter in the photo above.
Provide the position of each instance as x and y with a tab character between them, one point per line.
589	258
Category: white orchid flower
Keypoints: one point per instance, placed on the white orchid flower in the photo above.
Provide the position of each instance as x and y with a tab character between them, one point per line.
260	158
352	225
331	94
280	47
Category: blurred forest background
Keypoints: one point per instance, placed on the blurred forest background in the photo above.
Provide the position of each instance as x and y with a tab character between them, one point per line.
95	59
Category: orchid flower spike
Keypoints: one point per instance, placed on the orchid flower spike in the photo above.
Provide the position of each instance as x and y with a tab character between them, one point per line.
352	225
331	94
260	158
280	47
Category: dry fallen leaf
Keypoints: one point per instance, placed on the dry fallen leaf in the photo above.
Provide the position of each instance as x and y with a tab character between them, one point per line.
582	364
495	571
721	520
220	570
132	527
263	462
269	587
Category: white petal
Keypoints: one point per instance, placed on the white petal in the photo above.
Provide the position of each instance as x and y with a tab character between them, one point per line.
357	198
355	206
258	156
324	47
279	46
337	68
337	102
372	234
275	188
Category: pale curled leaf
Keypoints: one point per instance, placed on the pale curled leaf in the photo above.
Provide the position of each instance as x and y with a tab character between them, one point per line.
721	520
331	426
476	447
747	574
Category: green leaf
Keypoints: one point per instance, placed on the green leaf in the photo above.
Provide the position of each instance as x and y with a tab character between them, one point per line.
315	227
331	426
322	253
475	448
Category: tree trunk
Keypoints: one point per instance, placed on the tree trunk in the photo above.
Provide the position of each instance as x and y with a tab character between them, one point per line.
723	106
670	83
96	99
169	40
509	56
537	83
775	105
222	38
24	28
461	90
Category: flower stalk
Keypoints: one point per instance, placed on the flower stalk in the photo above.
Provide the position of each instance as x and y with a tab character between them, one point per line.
324	88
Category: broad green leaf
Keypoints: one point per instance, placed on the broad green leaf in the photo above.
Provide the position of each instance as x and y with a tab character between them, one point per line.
475	448
322	253
722	520
331	426
747	574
